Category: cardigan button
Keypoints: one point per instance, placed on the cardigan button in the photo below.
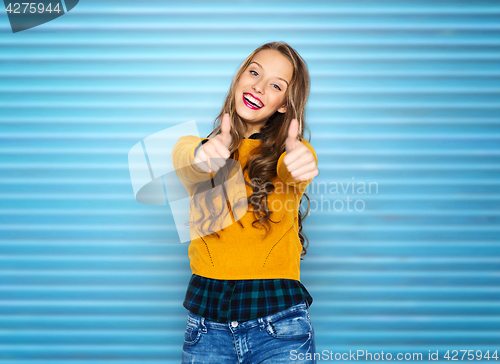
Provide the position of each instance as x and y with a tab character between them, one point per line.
234	323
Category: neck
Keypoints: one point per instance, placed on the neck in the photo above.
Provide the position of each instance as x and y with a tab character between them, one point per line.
248	133
252	130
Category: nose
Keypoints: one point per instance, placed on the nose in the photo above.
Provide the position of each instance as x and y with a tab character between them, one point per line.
258	88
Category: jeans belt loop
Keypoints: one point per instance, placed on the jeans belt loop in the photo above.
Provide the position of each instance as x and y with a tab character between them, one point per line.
203	327
261	322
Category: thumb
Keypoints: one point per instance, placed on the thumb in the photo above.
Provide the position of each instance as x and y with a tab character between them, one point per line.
293	133
225	128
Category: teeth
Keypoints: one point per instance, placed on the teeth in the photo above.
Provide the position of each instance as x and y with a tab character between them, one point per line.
256	102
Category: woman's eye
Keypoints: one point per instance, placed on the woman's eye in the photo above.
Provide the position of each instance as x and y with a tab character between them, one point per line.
278	88
254	72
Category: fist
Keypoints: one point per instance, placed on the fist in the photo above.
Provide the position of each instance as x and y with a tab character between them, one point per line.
214	153
299	160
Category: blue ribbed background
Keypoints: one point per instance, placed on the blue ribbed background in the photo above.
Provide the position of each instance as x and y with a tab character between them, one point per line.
405	94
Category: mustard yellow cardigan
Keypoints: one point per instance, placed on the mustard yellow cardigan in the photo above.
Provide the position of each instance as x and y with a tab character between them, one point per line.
242	252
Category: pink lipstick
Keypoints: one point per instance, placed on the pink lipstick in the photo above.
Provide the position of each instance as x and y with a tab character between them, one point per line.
251	105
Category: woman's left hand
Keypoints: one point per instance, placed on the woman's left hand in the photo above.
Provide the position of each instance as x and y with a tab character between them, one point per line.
299	160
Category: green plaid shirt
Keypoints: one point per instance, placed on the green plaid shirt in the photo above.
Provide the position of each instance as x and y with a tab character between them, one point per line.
241	300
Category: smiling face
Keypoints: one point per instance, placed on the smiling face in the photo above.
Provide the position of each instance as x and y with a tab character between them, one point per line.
262	87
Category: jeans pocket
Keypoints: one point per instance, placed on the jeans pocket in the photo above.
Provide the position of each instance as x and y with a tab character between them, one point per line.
296	325
192	334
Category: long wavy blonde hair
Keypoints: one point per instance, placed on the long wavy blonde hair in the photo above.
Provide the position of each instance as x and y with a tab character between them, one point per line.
262	160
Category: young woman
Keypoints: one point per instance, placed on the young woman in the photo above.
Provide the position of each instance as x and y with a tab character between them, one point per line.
245	299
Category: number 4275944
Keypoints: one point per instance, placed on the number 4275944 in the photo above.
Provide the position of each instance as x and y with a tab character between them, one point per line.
470	355
33	8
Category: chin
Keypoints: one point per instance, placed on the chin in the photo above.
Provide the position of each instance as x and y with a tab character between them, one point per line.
246	113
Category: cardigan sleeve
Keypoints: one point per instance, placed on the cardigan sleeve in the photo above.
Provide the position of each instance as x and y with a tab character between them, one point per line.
286	177
183	155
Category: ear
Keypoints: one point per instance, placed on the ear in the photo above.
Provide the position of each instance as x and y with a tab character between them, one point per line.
282	109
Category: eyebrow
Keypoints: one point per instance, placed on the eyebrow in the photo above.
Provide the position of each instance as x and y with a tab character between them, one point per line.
279	78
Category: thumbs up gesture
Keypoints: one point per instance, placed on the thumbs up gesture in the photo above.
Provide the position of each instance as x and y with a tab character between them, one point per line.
214	153
299	160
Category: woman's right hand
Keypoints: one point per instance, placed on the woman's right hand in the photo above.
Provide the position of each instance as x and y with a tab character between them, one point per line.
213	155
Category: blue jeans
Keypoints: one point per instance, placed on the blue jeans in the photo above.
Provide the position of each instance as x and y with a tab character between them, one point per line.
283	337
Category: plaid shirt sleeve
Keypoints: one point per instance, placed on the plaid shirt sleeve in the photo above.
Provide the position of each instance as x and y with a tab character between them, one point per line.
241	300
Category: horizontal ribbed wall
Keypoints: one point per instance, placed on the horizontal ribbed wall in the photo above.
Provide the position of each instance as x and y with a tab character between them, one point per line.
405	95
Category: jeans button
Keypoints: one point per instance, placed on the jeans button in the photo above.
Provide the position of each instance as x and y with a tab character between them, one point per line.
234	323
